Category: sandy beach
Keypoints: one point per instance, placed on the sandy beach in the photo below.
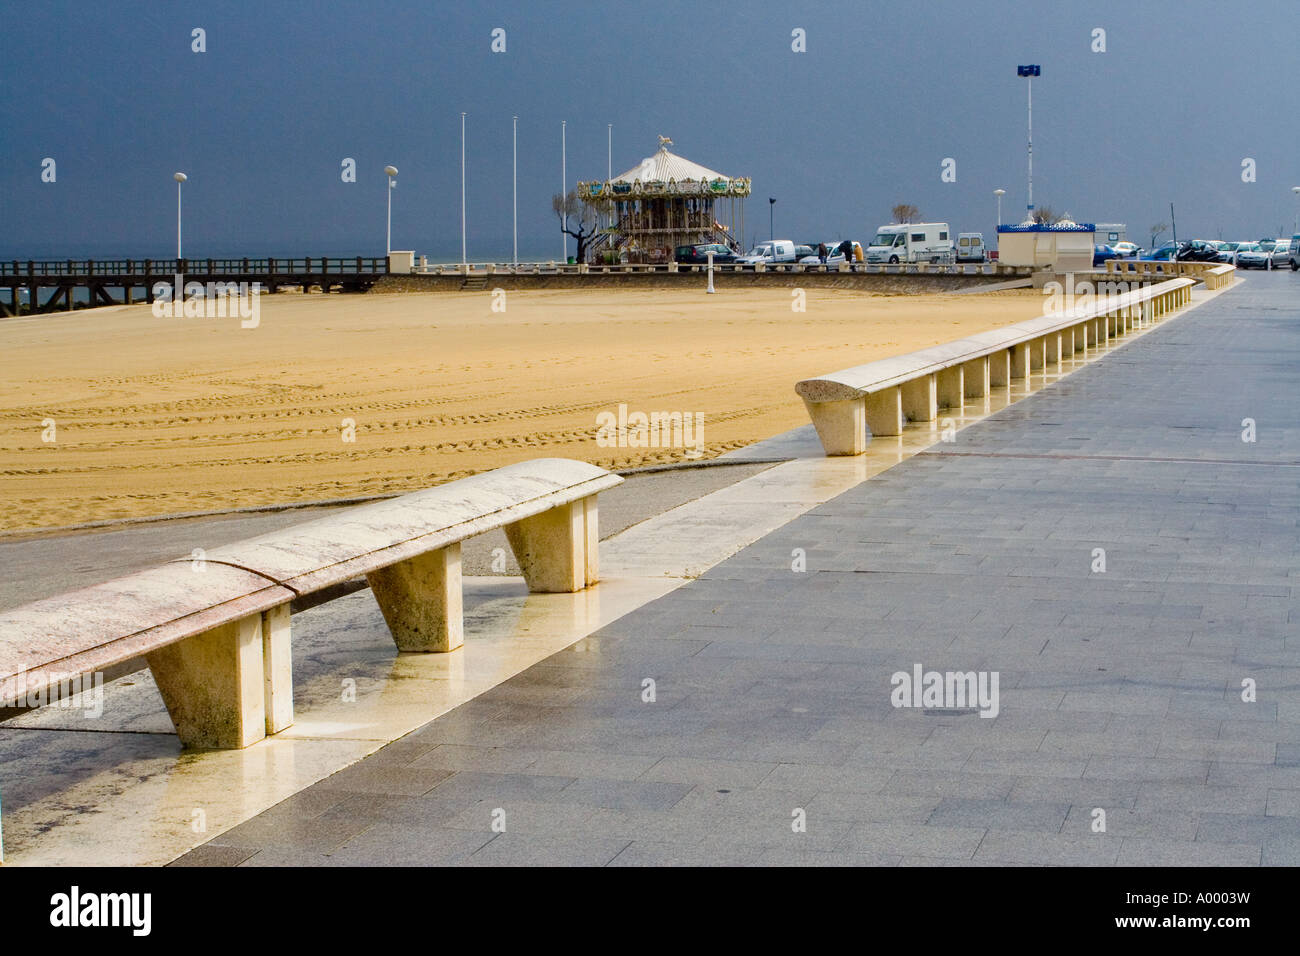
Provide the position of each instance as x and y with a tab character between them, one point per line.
154	416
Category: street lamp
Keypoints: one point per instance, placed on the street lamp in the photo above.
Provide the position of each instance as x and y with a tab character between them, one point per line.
771	219
391	173
463	257
180	178
564	191
1029	72
1296	227
515	187
999	193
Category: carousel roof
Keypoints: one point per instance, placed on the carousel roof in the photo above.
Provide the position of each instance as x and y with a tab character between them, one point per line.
666	174
665	166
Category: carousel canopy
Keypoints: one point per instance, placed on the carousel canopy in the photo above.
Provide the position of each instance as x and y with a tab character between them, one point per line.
665	173
665	166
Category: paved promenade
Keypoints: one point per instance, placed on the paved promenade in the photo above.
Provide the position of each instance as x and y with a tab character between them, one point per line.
769	735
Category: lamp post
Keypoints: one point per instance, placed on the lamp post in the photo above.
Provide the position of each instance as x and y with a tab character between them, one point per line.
462	192
1296	226
1029	72
390	172
180	178
771	219
515	188
999	193
564	193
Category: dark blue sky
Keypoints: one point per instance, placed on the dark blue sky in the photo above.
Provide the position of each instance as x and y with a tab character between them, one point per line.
862	120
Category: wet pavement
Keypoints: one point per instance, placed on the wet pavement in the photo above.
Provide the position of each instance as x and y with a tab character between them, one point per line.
1115	562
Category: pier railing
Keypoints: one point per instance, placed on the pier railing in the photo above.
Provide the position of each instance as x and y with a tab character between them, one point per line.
98	268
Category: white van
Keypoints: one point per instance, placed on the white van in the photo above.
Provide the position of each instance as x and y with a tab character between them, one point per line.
970	247
772	250
912	242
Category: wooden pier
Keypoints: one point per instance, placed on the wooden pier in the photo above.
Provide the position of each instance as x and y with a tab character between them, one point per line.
61	277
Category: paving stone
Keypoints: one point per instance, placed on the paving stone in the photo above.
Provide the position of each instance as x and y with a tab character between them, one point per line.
1138	851
515	849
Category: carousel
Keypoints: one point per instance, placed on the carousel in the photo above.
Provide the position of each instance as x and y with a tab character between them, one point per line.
663	202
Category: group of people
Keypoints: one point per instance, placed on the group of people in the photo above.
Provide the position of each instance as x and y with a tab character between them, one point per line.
845	249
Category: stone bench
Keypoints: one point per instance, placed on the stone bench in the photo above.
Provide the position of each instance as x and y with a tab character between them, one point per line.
878	398
215	631
1214	275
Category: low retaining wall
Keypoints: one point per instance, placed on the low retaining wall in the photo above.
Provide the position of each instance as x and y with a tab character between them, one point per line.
888	283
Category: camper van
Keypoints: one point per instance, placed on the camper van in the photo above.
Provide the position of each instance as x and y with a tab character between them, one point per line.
912	242
970	247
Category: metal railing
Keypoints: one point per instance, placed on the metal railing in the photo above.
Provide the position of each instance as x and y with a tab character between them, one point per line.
98	268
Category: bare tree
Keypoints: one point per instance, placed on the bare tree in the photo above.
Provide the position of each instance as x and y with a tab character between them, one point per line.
905	212
1044	216
578	218
1156	231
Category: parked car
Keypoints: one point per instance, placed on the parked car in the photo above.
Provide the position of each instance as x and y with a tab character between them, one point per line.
970	247
1226	249
1198	250
806	253
1282	253
1293	255
1102	253
833	254
836	255
1162	253
1251	255
773	250
698	254
1126	249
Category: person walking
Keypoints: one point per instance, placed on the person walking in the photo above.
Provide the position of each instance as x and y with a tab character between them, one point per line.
822	252
846	247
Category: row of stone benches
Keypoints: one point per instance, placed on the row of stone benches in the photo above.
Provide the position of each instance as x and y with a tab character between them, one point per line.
877	398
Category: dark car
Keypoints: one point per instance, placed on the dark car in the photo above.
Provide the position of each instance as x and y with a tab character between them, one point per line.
698	254
1163	254
1101	253
1198	250
1189	250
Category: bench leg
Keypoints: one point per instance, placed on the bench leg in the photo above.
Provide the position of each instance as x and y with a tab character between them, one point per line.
1020	360
214	685
551	548
950	391
841	426
975	378
920	399
421	601
884	412
1037	354
591	525
1000	369
277	662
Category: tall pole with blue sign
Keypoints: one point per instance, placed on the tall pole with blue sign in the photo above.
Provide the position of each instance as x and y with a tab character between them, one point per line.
1029	72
